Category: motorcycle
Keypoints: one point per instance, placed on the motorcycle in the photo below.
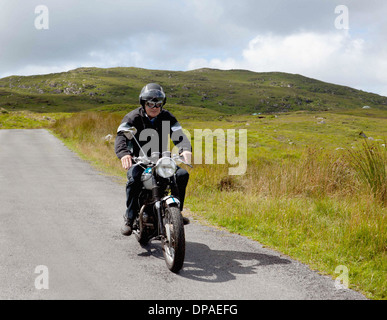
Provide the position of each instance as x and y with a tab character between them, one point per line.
159	217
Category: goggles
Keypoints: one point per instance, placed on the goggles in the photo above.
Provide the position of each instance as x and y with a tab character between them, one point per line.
152	104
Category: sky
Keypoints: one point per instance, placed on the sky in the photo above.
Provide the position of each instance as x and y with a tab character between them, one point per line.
337	41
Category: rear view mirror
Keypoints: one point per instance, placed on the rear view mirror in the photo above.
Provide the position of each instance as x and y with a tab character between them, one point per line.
128	131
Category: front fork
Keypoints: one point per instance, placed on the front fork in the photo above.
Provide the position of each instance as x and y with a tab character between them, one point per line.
157	198
170	200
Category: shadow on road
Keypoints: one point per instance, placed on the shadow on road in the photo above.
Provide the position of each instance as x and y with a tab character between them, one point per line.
203	264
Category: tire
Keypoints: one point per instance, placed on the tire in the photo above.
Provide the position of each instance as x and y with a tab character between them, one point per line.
174	244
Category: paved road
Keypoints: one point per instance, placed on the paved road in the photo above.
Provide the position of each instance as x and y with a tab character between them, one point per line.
59	212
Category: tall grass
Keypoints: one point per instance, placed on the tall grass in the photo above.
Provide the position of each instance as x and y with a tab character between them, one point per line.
318	173
370	163
86	133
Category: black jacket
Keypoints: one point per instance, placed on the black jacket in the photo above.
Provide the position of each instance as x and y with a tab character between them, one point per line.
153	136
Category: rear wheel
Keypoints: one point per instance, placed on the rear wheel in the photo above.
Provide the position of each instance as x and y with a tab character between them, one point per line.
174	243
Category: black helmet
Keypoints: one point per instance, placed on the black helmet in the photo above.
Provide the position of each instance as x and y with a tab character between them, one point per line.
152	92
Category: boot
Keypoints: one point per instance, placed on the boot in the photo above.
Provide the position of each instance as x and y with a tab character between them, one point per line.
127	228
186	221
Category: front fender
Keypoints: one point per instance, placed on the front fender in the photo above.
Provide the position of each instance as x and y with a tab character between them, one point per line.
171	201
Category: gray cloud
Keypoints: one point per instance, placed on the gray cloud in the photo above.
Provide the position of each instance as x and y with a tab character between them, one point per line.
166	34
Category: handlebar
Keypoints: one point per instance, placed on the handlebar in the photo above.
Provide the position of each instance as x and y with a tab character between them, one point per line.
141	160
147	161
179	158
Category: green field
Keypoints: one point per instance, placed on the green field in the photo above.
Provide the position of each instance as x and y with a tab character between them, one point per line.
315	188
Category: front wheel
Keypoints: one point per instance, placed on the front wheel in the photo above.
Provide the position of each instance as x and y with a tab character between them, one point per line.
174	242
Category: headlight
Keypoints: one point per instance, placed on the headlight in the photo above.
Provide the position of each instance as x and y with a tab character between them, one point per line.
166	167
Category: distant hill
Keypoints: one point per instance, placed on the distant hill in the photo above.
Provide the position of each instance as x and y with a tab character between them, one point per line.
230	92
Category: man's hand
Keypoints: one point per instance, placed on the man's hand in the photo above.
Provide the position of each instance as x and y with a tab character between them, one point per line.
187	156
127	162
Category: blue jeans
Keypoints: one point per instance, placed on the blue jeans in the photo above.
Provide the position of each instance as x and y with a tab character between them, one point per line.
134	186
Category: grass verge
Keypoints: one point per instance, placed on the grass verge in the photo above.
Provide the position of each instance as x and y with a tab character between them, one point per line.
25	119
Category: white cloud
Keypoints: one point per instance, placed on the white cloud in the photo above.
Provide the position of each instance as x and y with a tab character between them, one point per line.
104	59
306	53
37	69
332	57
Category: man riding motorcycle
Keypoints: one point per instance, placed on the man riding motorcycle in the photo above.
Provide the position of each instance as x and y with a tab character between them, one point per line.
156	123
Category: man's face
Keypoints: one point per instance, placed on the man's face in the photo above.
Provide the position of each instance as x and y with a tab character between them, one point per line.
152	112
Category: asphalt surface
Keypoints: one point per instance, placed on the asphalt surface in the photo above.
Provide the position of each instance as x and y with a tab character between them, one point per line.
59	212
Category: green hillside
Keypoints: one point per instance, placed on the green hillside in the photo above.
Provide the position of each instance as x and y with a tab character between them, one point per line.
230	92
